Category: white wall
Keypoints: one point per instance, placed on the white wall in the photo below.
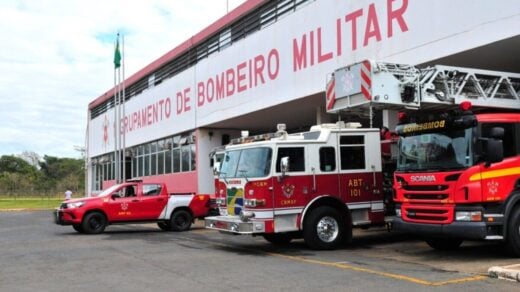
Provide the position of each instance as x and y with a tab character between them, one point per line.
205	144
420	31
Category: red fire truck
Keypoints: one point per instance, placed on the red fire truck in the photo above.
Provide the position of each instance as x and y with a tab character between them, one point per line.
316	185
458	168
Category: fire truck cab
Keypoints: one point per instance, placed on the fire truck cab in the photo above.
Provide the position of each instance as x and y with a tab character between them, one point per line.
458	174
458	177
316	185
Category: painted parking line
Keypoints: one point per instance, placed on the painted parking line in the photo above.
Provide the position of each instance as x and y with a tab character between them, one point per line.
345	266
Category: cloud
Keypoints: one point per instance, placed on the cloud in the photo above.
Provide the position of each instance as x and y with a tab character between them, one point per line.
57	57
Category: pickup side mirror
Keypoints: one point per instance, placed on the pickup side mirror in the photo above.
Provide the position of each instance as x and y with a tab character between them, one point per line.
115	196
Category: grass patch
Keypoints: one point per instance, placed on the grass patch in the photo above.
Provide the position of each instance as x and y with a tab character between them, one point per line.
29	203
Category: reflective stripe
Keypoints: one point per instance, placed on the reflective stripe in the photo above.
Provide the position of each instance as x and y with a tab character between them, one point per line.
495	173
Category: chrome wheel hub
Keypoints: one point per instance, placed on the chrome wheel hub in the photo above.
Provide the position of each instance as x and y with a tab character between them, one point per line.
327	229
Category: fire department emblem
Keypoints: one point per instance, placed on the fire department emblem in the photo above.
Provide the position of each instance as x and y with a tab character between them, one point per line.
492	187
288	190
124	206
347	82
105	131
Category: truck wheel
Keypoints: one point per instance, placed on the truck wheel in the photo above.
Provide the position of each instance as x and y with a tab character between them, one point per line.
444	244
164	226
513	233
181	220
324	228
78	228
278	238
94	223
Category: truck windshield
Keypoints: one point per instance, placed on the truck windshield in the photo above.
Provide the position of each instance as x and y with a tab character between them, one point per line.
246	163
447	150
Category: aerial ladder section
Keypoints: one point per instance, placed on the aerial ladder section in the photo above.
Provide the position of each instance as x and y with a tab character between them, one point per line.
369	85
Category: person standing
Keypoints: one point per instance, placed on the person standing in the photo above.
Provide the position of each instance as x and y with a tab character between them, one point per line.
68	195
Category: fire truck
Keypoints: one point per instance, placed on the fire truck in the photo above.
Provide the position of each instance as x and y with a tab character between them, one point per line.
317	185
458	166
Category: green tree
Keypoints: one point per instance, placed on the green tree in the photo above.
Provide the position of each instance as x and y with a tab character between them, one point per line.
13	164
63	173
17	176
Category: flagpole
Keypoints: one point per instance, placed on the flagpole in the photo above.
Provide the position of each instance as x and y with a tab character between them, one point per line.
124	125
115	114
118	124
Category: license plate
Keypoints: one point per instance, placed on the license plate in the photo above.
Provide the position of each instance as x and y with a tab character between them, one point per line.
223	212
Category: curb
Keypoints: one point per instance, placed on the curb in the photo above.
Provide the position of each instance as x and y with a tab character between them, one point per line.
511	273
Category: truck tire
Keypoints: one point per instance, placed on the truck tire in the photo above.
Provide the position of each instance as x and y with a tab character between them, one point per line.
444	244
78	228
324	228
278	238
181	220
513	233
94	223
164	225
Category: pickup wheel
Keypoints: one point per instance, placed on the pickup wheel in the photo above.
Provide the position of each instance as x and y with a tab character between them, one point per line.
94	223
278	238
181	220
78	228
324	228
444	244
513	232
164	226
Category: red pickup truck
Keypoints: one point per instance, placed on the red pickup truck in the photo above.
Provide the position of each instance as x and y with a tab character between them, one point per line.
133	202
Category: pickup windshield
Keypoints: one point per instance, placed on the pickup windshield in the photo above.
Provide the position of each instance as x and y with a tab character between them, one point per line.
108	191
447	150
246	163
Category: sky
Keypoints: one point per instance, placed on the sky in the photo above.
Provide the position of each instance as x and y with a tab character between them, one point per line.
56	56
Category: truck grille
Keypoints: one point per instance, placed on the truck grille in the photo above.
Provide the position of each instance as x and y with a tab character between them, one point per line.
428	214
423	188
427	197
431	194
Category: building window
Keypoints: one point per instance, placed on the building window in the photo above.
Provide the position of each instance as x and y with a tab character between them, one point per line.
169	155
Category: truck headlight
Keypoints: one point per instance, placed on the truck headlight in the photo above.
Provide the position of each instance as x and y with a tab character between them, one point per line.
75	205
398	212
253	203
220	201
468	216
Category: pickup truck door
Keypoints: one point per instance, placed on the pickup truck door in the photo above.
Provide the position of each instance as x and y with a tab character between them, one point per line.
152	200
123	204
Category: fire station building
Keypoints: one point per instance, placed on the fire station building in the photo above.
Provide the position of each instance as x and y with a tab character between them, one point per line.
267	62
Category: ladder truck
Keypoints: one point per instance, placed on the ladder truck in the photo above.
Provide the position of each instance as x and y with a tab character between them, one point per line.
458	166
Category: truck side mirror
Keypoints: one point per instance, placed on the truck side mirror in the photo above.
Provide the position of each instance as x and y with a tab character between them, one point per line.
284	165
216	168
494	150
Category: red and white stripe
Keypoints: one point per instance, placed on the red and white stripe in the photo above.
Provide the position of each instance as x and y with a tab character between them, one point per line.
366	81
331	94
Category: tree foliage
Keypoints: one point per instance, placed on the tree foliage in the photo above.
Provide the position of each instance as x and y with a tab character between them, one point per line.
27	174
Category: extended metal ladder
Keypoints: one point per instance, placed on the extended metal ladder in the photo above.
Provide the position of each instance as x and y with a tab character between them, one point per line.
379	85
